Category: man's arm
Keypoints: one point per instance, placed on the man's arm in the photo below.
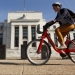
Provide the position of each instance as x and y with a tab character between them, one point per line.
48	24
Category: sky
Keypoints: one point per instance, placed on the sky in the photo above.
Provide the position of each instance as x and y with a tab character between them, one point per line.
44	6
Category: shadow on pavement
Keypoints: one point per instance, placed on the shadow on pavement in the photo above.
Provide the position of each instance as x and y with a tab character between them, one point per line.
10	63
29	64
61	64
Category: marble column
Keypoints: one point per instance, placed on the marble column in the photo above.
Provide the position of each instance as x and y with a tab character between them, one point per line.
29	34
20	36
12	36
71	35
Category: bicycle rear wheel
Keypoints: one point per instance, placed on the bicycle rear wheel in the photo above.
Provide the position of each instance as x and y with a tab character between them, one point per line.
71	55
34	57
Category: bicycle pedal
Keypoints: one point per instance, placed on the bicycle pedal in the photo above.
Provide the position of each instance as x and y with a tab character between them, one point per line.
62	55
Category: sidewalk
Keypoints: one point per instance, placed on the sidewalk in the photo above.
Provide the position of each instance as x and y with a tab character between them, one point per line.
23	67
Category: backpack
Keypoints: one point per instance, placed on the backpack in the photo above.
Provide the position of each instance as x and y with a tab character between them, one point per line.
71	13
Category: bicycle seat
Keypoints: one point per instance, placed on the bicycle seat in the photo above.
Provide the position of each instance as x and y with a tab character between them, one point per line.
38	30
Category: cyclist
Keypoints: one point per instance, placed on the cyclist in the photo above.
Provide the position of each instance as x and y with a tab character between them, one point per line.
65	20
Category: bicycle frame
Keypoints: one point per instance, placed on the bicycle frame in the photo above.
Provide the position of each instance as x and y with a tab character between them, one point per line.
64	51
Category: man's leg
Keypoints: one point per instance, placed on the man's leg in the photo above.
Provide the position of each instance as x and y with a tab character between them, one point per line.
62	31
63	35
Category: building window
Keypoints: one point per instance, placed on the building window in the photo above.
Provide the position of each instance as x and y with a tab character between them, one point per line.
16	36
1	27
74	29
54	27
25	32
55	39
49	42
1	39
68	36
74	35
33	30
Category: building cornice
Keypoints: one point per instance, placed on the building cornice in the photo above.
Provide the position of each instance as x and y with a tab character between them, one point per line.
26	12
25	20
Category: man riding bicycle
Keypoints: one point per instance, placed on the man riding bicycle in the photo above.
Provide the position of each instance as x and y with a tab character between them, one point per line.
65	20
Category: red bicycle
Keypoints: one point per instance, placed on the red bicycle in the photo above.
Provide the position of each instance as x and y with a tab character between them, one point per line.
38	48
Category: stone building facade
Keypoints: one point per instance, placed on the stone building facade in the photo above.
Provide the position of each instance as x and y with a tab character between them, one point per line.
20	28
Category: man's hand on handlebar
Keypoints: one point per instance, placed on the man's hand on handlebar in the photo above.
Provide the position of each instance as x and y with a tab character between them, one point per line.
48	24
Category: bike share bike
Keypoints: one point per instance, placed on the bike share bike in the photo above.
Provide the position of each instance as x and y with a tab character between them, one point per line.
35	48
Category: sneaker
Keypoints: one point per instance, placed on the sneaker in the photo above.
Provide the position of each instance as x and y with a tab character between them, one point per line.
62	47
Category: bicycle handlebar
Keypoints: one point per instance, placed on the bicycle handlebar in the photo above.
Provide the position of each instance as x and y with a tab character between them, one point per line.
47	25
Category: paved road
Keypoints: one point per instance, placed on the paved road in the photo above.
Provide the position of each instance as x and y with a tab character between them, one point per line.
54	66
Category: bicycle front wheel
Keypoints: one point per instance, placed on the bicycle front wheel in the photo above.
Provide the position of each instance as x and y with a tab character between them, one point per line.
34	57
71	55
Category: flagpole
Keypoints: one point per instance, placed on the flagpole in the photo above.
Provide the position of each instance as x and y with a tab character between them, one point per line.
24	5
